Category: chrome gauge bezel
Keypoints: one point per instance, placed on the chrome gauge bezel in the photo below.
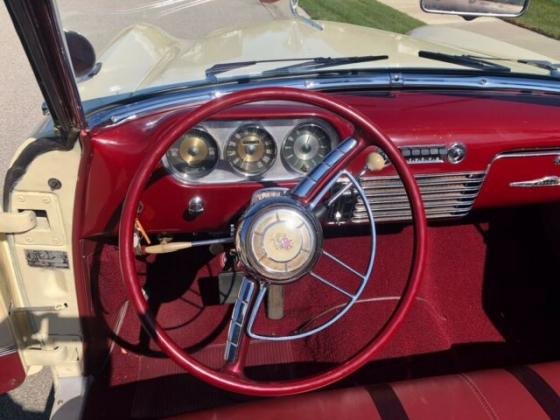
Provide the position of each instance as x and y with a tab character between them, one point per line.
184	176
330	134
231	139
223	173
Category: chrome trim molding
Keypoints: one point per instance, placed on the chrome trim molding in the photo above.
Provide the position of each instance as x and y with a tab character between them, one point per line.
238	320
545	181
525	154
194	96
7	350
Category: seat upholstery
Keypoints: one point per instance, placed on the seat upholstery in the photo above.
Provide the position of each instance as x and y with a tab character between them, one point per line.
529	392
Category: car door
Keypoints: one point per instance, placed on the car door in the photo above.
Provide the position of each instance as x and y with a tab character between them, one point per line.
39	317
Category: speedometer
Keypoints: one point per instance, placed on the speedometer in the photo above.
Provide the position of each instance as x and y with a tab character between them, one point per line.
306	146
251	150
194	155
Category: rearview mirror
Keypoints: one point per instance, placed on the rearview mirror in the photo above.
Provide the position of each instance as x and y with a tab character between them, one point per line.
474	8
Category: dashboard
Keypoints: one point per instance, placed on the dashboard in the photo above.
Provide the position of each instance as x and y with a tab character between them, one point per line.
469	151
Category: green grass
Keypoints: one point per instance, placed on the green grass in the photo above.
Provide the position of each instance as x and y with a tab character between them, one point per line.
361	12
543	16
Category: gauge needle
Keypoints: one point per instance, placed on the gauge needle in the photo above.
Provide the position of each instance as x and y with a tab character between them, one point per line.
306	143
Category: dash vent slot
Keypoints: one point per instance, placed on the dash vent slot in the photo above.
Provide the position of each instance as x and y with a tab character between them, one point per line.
444	196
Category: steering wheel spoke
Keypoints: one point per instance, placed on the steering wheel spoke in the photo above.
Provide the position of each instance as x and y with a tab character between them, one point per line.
332	285
237	341
306	190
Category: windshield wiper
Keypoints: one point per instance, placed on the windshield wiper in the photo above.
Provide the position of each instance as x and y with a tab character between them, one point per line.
323	62
225	67
554	69
305	64
464	60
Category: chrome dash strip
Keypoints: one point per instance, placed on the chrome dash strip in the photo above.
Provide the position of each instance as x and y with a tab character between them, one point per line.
202	94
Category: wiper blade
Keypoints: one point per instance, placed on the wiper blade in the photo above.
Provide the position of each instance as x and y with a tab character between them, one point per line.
464	60
324	62
225	67
305	63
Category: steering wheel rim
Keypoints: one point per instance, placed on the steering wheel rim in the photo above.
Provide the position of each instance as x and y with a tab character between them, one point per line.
228	380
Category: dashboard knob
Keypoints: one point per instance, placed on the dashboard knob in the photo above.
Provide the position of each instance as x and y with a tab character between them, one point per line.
196	206
375	162
456	153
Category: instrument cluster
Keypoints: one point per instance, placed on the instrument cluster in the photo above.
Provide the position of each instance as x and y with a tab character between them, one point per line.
234	151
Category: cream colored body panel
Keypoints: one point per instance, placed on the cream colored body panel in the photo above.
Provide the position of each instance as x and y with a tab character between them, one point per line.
42	301
481	45
143	56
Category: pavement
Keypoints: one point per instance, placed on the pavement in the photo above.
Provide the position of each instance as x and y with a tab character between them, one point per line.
20	98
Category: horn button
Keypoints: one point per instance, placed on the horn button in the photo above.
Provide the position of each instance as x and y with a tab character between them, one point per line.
279	240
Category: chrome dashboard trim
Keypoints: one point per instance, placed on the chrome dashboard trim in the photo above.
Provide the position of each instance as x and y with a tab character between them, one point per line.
524	154
545	181
387	80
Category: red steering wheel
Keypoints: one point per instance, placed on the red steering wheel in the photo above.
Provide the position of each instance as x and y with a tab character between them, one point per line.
231	378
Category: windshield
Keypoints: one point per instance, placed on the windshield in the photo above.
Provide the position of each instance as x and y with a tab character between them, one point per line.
148	45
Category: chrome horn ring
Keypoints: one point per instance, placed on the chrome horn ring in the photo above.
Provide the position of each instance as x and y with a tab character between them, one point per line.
275	242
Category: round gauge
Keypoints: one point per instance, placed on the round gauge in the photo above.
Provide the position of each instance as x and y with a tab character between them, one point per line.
194	155
306	146
251	150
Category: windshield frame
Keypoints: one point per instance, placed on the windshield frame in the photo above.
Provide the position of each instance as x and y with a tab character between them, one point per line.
38	27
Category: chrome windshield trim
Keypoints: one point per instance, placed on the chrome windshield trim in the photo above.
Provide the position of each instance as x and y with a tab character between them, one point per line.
388	80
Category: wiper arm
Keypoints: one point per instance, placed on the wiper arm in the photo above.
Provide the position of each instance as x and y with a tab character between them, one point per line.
554	69
464	60
323	62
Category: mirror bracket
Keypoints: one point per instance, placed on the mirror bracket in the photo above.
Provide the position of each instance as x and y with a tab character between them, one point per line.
294	9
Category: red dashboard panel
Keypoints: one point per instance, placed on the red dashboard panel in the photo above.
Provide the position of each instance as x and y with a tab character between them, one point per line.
487	123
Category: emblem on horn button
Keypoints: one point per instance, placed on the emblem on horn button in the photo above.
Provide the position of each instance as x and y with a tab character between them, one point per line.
279	240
